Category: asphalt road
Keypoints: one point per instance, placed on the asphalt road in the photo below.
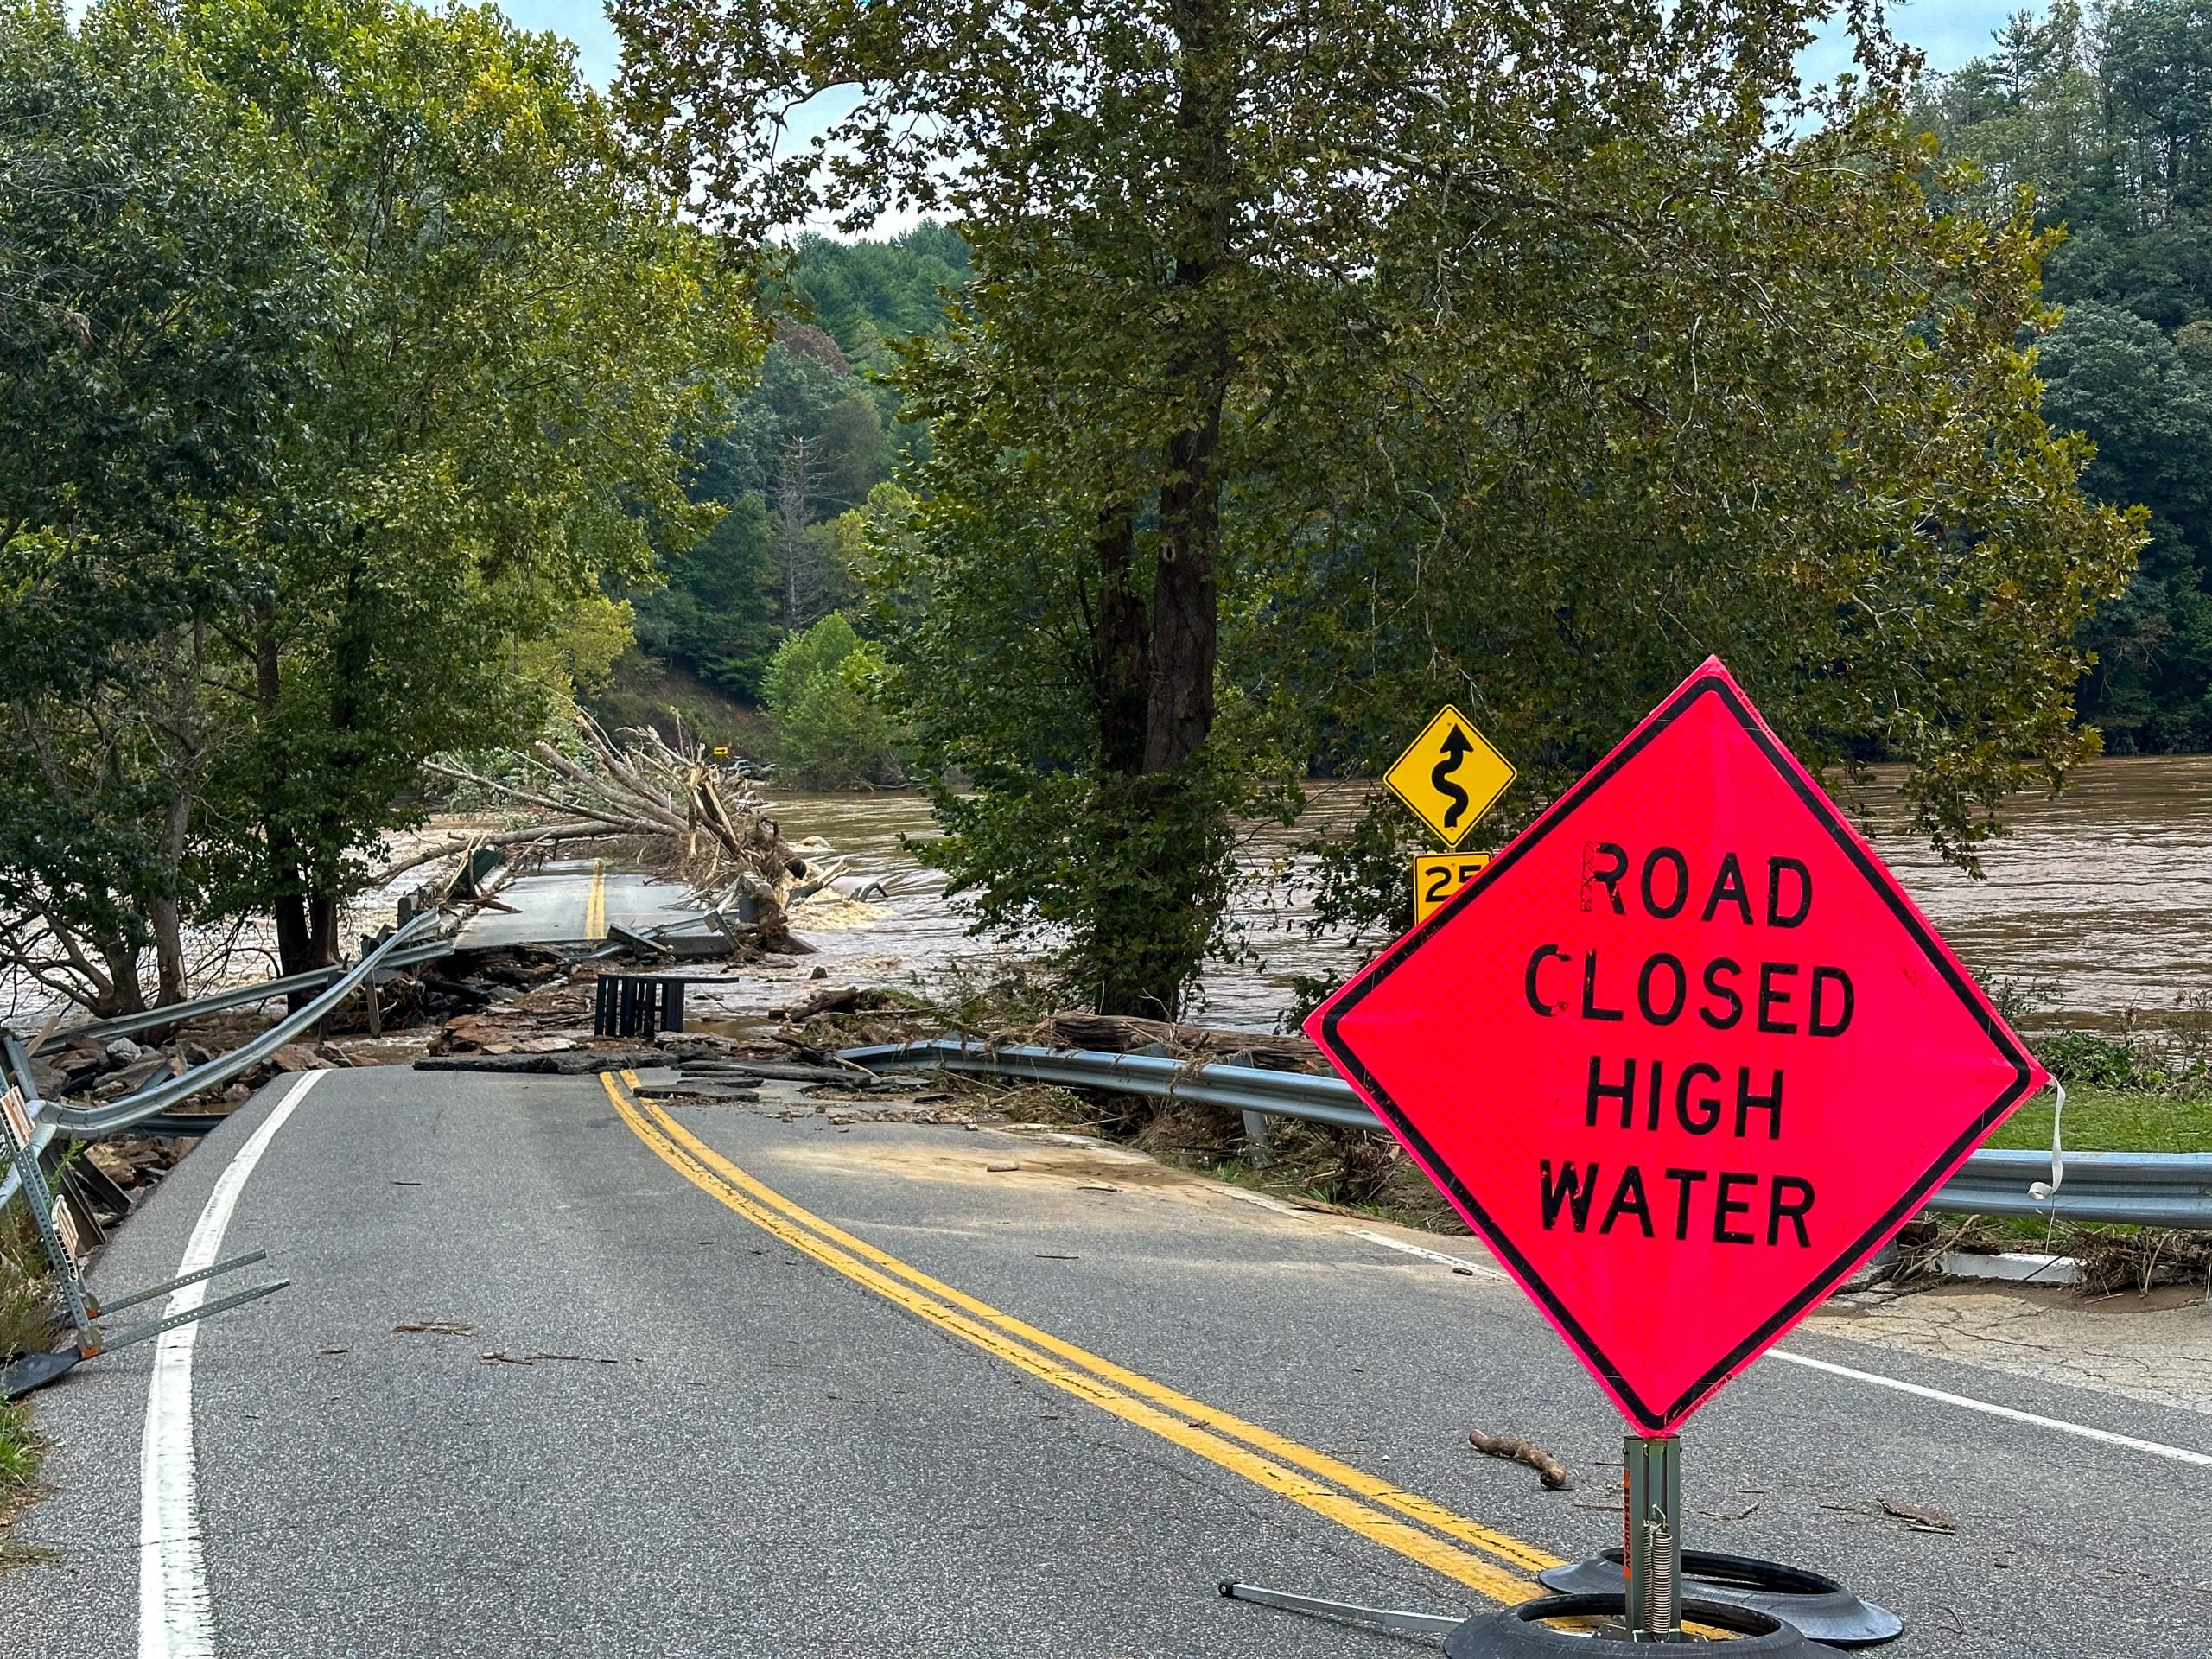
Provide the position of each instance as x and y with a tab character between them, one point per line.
813	1387
572	901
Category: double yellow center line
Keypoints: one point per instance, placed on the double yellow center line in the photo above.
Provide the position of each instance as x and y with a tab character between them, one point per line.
1493	1563
595	902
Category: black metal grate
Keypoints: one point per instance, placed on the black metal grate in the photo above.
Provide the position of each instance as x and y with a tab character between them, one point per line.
637	1005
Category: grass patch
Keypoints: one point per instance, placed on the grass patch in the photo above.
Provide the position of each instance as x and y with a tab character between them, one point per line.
2101	1119
28	1321
21	1453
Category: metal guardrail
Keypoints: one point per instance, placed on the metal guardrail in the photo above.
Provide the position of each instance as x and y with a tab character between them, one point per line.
91	1121
1243	1089
236	996
2143	1189
50	1122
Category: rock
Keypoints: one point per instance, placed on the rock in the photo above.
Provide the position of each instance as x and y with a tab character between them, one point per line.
293	1057
238	1093
121	1051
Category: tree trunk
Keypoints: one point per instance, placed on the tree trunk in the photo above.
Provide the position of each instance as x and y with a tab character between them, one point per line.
352	658
1123	667
1185	598
129	996
164	915
1165	822
164	910
794	484
288	902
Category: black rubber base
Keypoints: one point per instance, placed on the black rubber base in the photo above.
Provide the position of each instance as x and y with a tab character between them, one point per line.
28	1371
1517	1632
1816	1604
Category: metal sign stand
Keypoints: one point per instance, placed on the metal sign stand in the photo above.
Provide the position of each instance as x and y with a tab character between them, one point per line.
1651	1479
1648	1609
86	1311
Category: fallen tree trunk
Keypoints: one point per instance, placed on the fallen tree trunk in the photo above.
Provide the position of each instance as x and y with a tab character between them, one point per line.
580	830
700	824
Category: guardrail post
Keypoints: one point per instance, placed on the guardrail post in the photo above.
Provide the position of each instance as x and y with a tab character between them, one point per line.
15	1139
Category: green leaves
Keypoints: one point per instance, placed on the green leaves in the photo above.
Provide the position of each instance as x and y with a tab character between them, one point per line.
346	354
528	336
829	733
1520	358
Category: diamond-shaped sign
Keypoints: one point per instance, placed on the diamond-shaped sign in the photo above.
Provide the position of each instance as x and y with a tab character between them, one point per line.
1684	1054
1449	776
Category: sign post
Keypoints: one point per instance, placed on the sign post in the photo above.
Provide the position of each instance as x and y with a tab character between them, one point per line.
1652	1543
1683	1054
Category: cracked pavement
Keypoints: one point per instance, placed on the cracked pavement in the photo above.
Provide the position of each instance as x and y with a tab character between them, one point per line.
2157	1348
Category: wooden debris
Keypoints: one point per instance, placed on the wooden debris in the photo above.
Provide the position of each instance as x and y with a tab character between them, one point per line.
1917	1518
1549	1469
572	1064
698	824
1119	1033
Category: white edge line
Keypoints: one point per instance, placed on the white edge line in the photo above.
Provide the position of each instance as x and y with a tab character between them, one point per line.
2059	1425
1459	1263
1266	1203
173	1621
2105	1436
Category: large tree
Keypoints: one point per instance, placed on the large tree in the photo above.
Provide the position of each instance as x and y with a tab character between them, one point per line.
349	356
159	293
1321	358
530	339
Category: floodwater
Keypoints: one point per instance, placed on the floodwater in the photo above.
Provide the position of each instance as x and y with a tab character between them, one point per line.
2096	908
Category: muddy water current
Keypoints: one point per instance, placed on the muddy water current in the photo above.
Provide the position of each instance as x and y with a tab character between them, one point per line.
2096	909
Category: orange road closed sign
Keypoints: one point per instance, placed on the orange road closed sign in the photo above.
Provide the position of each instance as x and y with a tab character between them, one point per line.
1683	1052
1437	876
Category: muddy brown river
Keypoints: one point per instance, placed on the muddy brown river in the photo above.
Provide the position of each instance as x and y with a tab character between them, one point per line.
2096	909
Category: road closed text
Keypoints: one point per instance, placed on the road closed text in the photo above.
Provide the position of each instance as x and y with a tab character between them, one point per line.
1748	984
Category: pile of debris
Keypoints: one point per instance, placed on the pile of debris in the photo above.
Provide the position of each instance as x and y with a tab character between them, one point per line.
691	821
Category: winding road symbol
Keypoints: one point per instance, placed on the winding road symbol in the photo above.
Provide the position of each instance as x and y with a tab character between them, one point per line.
1456	746
1449	776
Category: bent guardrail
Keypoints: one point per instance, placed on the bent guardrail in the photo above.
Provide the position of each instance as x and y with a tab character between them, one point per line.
49	1122
2142	1189
1244	1089
236	996
91	1121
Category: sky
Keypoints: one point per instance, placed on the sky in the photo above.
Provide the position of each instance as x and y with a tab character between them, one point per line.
1949	31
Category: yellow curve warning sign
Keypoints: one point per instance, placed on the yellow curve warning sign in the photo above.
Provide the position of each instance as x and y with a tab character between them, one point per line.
1449	776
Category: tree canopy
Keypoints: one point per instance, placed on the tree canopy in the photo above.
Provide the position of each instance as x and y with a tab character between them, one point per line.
807	441
2101	123
387	356
1322	360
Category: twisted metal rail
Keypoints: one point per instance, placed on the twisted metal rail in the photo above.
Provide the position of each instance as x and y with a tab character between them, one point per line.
2142	1189
237	996
50	1122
